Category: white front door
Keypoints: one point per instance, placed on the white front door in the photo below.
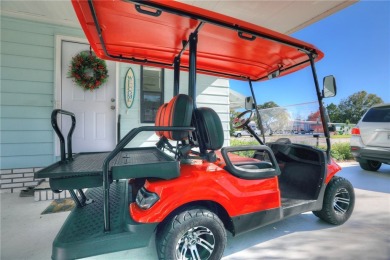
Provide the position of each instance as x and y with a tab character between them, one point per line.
95	110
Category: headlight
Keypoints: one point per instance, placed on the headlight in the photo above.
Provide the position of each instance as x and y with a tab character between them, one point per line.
146	199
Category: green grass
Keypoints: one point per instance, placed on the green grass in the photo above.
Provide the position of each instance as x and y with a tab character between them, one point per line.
339	136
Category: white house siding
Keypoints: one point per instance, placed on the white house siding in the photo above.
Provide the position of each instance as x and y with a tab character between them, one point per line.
216	96
211	92
27	86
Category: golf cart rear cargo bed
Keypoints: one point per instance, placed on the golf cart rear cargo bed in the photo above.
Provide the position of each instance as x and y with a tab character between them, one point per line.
129	163
83	235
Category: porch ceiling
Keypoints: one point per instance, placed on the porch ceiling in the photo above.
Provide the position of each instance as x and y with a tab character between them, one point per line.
282	16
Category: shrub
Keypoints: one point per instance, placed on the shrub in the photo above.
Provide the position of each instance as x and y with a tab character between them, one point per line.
341	151
241	142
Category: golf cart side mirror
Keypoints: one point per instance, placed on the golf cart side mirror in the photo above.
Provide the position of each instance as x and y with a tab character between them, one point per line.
249	105
329	88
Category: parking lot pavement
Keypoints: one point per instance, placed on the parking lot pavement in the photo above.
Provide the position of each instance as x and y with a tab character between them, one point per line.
25	234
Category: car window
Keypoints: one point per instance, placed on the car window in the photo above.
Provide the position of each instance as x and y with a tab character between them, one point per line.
378	114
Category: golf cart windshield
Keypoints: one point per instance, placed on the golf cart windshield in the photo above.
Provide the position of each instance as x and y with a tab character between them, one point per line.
293	115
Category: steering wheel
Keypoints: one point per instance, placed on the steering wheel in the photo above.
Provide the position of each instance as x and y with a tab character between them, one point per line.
242	119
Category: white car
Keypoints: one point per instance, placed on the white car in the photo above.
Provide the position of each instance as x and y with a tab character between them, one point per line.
245	133
370	141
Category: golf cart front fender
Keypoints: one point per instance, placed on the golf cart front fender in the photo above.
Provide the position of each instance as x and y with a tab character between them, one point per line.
333	168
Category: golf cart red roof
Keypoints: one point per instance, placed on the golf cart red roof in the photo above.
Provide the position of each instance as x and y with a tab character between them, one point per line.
130	31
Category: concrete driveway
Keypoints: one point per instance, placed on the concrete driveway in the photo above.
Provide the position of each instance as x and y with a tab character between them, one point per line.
366	235
25	234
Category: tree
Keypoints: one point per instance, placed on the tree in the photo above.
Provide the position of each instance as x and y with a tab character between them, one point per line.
315	121
333	112
315	116
274	118
269	104
353	107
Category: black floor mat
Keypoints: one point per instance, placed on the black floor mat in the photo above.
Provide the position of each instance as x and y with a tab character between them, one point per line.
291	192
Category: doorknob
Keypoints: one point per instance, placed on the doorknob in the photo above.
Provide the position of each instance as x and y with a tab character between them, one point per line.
112	107
112	99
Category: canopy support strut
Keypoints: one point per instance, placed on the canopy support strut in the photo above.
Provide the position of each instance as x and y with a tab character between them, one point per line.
192	70
321	108
176	76
259	122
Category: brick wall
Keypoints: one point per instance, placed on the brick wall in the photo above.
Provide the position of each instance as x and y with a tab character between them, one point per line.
14	180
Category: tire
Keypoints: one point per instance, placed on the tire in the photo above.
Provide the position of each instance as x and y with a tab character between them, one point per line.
370	165
192	232
238	135
339	201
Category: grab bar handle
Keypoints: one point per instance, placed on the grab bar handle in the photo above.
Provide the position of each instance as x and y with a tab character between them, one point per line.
156	13
54	123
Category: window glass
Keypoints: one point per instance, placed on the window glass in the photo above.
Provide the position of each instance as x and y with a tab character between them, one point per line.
378	114
152	93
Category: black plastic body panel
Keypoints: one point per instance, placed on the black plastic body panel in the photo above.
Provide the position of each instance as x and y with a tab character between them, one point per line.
251	221
145	163
83	235
290	207
83	164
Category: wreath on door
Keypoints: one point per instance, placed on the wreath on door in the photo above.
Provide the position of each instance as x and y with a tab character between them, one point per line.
88	71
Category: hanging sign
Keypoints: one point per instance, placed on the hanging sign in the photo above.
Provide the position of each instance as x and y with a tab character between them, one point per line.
129	88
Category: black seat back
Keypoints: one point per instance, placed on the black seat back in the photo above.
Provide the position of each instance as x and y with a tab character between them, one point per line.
209	132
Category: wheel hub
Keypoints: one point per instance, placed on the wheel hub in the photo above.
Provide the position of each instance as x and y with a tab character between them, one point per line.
341	201
196	244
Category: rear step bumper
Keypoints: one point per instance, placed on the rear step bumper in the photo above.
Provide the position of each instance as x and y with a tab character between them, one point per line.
381	154
83	235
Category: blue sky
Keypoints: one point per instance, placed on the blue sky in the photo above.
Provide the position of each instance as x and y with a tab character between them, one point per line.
356	43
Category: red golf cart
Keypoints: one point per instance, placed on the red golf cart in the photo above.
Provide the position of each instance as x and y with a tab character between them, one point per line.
188	190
